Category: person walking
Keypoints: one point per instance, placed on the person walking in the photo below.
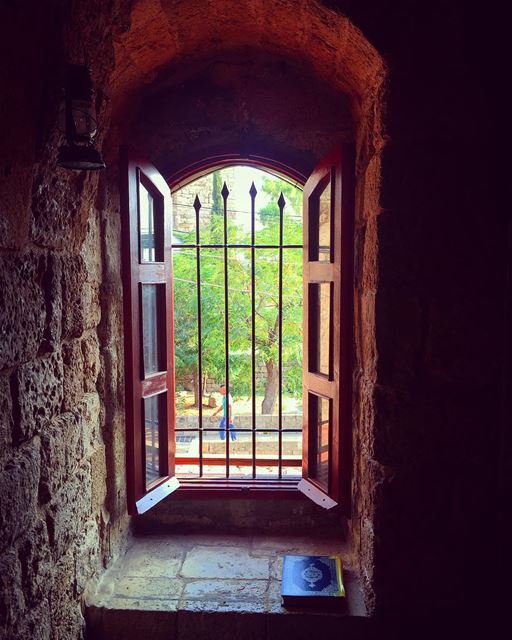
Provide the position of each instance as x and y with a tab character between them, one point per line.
227	410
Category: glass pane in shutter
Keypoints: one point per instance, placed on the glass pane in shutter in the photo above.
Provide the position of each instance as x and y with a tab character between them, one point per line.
152	302
320	420
154	408
320	215
320	328
151	226
147	225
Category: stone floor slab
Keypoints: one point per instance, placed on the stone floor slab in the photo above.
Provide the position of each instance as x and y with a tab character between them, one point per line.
146	564
148	588
224	562
225	590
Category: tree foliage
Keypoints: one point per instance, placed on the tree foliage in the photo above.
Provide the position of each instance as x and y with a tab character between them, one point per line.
239	301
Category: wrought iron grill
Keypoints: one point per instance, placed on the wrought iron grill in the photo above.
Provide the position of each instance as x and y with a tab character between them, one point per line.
203	433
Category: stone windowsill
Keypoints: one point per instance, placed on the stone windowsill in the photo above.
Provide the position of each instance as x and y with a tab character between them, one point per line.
215	586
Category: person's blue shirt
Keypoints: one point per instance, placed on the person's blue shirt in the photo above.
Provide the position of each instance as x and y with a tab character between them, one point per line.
222	423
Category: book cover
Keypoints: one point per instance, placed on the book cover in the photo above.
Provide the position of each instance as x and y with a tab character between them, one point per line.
312	581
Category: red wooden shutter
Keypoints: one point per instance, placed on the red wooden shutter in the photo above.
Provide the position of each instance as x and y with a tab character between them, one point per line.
328	319
148	327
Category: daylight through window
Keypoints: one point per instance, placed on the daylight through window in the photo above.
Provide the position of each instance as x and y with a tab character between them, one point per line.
237	275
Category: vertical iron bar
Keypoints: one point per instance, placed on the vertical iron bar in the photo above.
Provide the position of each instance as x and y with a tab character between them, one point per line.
197	207
281	202
151	230
225	193
253	192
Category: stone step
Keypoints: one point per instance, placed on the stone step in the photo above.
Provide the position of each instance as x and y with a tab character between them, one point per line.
218	587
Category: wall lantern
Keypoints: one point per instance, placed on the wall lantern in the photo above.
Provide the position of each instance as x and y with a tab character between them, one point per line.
78	122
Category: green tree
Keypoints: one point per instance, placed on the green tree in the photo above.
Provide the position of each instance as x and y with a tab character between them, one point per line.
273	187
217	203
239	281
267	337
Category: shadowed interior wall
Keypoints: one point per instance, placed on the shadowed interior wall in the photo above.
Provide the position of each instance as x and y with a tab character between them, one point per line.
430	264
62	488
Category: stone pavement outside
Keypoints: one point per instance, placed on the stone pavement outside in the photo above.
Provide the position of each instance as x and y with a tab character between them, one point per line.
215	586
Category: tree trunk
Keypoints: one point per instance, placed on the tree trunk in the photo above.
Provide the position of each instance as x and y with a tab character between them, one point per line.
271	387
197	388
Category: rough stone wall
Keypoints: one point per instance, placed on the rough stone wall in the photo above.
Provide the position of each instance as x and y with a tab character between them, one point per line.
62	502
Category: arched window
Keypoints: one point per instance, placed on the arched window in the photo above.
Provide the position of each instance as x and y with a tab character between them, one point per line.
321	470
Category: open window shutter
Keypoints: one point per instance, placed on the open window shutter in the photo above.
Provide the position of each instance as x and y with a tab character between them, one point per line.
149	344
328	300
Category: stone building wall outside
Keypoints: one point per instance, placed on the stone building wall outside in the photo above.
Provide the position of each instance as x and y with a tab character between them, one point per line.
184	216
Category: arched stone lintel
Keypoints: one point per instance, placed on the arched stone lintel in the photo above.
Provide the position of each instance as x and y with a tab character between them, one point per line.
167	32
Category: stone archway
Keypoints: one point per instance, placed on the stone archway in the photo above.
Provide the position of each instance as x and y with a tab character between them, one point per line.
168	45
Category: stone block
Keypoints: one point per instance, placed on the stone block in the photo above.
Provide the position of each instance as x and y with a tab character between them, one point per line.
131	622
62	448
15	183
147	590
371	180
12	602
22	308
111	379
6	421
226	562
91	250
225	592
111	231
142	564
53	295
60	208
19	479
306	625
87	555
36	624
92	363
69	509
99	477
219	625
366	255
66	616
36	563
73	374
111	326
159	547
37	396
90	409
91	304
74	312
366	338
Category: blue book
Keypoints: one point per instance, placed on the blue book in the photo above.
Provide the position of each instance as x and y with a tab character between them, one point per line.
312	581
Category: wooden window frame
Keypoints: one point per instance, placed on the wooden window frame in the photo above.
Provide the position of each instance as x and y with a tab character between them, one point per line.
340	165
138	385
337	168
